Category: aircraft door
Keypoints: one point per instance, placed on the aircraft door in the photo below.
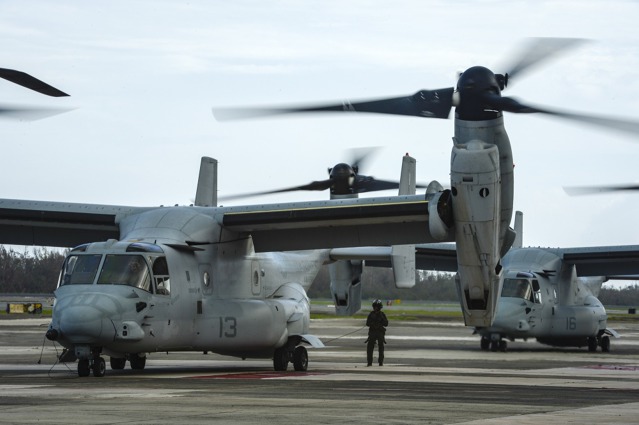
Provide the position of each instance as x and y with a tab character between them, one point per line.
536	305
159	311
256	278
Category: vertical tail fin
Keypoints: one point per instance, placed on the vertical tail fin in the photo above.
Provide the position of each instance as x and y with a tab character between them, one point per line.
206	194
519	230
403	256
407	180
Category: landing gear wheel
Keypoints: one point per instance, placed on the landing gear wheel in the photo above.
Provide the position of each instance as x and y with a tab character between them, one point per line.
137	362
117	363
280	359
83	368
494	345
605	344
503	346
592	344
484	343
300	359
99	367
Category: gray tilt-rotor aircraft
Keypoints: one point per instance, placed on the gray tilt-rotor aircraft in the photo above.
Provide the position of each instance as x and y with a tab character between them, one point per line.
549	294
203	278
476	212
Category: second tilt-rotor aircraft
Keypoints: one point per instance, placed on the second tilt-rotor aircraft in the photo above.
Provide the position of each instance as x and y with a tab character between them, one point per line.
548	294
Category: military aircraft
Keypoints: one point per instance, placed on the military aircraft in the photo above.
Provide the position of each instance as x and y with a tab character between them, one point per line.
548	293
204	278
477	211
201	277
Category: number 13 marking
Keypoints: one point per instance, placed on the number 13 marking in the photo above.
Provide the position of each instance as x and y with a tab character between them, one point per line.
228	327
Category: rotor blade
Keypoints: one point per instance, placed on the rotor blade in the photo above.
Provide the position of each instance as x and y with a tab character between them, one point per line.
538	50
626	126
29	114
425	103
370	184
360	155
509	104
25	80
590	190
316	185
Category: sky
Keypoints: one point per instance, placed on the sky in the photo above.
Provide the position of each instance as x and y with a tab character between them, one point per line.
144	76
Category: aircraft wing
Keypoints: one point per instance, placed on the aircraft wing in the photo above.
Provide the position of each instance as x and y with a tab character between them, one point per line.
588	261
440	257
393	220
57	223
382	221
602	260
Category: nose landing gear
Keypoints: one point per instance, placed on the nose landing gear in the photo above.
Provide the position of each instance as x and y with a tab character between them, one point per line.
494	343
90	360
97	365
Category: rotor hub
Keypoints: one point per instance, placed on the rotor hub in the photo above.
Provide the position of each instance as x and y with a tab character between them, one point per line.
475	86
342	177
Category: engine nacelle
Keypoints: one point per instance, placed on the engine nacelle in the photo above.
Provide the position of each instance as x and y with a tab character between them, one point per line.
346	286
440	216
475	189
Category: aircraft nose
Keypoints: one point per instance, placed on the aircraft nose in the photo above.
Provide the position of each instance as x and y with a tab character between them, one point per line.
509	314
83	324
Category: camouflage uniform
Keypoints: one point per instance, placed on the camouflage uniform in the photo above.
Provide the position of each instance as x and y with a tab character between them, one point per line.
376	323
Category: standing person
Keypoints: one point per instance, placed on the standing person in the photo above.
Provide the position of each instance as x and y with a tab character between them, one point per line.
376	323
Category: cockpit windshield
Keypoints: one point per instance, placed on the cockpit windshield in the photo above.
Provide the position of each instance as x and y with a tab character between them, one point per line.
80	269
517	288
129	270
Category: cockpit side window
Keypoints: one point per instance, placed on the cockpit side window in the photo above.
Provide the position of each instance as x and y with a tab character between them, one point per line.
129	270
80	269
161	276
517	288
536	291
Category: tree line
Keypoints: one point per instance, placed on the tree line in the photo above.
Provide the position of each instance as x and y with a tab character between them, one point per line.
36	271
32	271
380	283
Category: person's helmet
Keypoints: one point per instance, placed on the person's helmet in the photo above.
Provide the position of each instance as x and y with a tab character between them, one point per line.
377	303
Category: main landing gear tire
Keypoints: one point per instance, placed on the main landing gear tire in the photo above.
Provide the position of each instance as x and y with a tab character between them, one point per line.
117	363
503	346
605	344
300	359
485	343
137	362
83	368
99	367
280	359
592	344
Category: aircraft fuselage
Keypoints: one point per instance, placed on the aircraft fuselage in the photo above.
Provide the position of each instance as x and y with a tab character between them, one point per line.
543	298
126	299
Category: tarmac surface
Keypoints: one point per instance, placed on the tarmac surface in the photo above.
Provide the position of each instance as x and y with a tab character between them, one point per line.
434	373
